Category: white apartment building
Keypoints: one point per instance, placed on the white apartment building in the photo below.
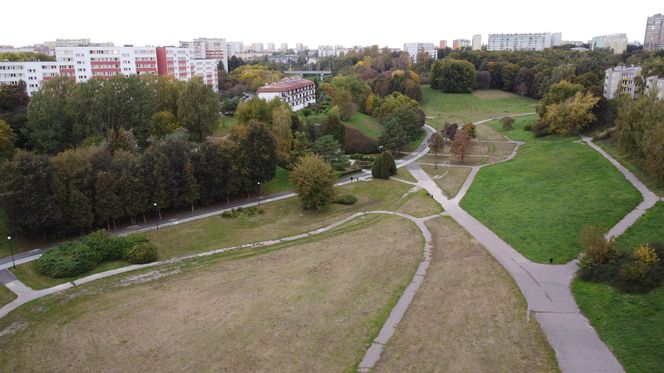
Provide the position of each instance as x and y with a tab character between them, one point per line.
234	48
175	61
284	47
413	49
208	48
523	42
207	70
615	42
298	93
33	73
477	42
654	38
299	47
656	82
621	79
85	63
270	47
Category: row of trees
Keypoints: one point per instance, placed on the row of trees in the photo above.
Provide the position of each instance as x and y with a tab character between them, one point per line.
79	189
65	114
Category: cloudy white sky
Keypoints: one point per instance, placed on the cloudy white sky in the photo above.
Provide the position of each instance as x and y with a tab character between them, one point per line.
344	22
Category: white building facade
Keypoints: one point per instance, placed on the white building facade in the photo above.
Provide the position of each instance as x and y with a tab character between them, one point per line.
298	93
477	42
33	73
414	49
621	79
208	48
86	63
523	42
615	42
207	70
656	83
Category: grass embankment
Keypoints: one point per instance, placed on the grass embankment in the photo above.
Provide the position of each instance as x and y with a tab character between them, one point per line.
471	107
539	201
366	124
630	324
307	306
27	274
468	315
6	295
627	161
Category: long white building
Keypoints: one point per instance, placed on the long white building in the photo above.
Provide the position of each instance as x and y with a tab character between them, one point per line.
298	93
33	73
209	48
523	42
105	62
615	42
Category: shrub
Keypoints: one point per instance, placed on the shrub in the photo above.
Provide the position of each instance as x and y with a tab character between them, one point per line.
541	129
507	123
384	166
596	249
528	127
345	199
470	130
141	253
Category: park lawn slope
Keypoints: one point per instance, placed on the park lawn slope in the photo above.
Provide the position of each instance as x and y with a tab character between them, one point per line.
468	315
462	108
539	201
368	125
308	306
6	295
630	324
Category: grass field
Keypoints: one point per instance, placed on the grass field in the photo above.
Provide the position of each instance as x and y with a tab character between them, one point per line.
468	316
6	295
311	306
280	219
279	183
27	274
611	148
366	124
420	204
539	201
449	179
463	108
630	324
224	126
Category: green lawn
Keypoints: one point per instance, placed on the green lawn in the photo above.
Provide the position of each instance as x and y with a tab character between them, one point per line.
279	183
463	108
539	201
632	325
224	126
6	295
366	124
627	161
27	274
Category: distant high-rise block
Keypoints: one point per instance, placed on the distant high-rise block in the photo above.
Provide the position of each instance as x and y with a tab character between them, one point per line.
523	42
477	42
442	44
616	42
460	43
654	38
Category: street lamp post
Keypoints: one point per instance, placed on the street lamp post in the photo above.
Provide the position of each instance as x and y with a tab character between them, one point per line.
259	193
11	249
158	214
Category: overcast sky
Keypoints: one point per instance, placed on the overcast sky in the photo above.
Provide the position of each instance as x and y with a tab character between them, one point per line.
340	22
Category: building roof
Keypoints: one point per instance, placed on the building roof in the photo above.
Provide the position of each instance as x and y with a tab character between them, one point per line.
285	85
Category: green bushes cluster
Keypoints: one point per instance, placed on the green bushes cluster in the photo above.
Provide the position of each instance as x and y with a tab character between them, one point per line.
384	166
345	199
541	129
240	211
73	258
637	271
507	123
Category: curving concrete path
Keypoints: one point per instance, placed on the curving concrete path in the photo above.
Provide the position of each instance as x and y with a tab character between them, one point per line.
372	355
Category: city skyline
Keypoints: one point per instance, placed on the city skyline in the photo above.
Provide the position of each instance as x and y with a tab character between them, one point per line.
147	25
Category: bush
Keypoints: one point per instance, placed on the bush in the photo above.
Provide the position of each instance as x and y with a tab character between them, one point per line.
73	258
141	253
527	127
541	129
384	166
470	130
507	123
345	199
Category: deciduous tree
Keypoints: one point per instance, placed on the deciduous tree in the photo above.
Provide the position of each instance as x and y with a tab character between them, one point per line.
314	179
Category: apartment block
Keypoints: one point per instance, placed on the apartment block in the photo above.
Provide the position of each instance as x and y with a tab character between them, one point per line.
615	42
33	73
298	93
85	63
654	38
621	79
208	48
207	70
523	42
477	42
656	82
414	49
460	43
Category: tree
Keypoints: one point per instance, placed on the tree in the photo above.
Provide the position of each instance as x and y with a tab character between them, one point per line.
384	166
406	110
507	123
558	93
454	76
573	115
7	140
436	143
461	145
332	125
301	147
72	186
450	130
328	148
281	130
214	171
470	129
394	137
234	62
191	187
198	109
258	150
314	181
50	127
483	80
13	96
162	124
